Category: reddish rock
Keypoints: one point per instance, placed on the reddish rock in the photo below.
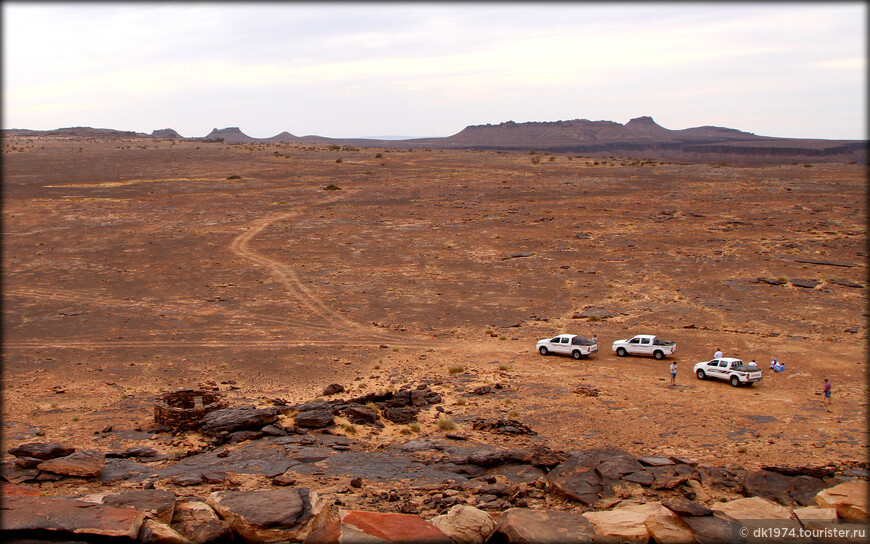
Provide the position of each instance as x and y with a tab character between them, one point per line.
524	526
17	489
850	499
358	526
85	463
752	508
154	532
27	513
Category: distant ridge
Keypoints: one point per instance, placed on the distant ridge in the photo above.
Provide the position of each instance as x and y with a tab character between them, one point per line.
641	137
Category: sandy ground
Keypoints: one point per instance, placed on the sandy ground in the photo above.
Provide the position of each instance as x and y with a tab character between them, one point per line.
133	268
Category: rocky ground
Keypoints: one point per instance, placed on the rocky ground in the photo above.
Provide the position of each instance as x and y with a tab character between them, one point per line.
271	271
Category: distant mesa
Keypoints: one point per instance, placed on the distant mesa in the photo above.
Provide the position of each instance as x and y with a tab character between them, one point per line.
641	138
167	134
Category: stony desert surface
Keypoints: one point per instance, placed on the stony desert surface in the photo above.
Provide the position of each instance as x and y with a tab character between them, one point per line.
133	268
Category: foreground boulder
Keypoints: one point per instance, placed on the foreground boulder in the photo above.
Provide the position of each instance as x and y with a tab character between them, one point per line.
30	513
158	504
751	508
849	499
640	523
378	527
197	522
465	524
272	515
524	526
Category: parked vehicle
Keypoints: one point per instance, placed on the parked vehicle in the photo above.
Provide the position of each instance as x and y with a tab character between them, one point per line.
568	344
645	344
729	369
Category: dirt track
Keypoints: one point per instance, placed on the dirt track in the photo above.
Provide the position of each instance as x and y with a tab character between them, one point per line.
132	268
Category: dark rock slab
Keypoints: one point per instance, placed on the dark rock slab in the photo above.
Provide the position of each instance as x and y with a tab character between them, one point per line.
237	419
524	526
685	507
762	419
359	414
642	477
844	264
138	451
805	283
771	281
249	458
264	516
42	450
123	469
711	529
584	474
400	414
786	490
381	466
32	513
316	418
16	474
655	461
846	283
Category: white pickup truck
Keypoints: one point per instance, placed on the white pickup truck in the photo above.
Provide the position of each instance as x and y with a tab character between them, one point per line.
645	344
730	369
568	344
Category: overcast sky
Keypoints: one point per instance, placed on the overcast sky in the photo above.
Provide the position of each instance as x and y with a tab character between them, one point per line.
413	69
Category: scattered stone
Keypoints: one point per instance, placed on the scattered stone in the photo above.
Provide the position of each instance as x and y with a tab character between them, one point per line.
516	256
284	479
359	414
849	499
30	513
86	464
402	415
187	479
771	281
805	283
27	462
139	451
502	426
594	313
332	389
586	390
465	524
42	450
483	390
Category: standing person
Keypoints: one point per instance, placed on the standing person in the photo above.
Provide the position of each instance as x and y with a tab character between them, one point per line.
673	373
827	393
718	354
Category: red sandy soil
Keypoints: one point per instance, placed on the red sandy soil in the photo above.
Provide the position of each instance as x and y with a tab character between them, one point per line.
131	269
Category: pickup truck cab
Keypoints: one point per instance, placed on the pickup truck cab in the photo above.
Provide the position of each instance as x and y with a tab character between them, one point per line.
568	344
729	369
645	344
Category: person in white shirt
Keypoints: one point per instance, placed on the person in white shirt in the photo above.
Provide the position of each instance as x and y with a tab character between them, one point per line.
718	354
673	373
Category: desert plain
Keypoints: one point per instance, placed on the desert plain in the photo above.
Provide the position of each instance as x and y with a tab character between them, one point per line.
137	267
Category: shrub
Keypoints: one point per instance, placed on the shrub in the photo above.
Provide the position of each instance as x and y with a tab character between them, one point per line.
332	187
338	161
446	424
505	366
235	177
349	428
379	156
513	412
461	401
456	369
414	427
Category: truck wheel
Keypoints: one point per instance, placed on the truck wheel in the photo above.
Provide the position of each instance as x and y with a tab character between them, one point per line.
702	375
620	352
659	355
576	354
735	381
543	350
